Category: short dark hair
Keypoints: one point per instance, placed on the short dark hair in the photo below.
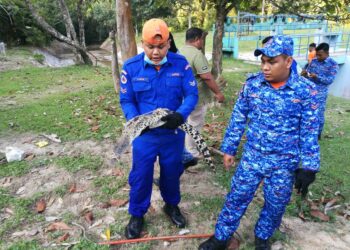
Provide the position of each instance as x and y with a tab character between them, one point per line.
313	45
193	34
173	47
266	39
323	46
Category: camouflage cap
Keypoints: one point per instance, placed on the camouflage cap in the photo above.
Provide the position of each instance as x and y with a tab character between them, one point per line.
276	46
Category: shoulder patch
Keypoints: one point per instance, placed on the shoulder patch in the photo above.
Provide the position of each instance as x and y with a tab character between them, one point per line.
123	79
193	83
123	90
187	67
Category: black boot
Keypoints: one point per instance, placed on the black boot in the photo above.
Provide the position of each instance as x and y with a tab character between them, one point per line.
191	163
213	244
134	228
175	215
261	244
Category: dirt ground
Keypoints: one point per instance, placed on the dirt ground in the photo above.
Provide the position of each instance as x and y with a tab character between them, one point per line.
301	235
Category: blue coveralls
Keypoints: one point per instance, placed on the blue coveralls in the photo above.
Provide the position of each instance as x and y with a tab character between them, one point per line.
282	130
326	72
142	90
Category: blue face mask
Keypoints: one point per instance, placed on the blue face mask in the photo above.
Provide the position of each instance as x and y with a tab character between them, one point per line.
147	60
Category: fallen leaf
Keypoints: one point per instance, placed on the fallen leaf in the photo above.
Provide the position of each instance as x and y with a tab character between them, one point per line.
8	211
105	205
29	157
89	217
41	206
151	209
63	237
302	216
108	233
58	226
233	244
95	128
118	203
117	172
318	214
42	144
331	203
73	188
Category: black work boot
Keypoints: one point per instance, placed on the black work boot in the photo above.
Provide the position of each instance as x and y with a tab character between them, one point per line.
213	244
191	163
134	228
175	215
261	244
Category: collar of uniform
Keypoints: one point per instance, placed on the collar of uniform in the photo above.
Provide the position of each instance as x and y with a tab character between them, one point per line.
327	60
191	46
293	77
150	65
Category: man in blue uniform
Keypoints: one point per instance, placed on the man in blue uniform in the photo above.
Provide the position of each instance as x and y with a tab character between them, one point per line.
322	71
281	112
157	79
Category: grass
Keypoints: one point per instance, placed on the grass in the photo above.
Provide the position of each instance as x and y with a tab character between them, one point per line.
19	168
22	212
74	164
75	116
35	80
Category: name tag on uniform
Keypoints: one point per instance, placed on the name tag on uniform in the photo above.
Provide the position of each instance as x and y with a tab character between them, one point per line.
140	79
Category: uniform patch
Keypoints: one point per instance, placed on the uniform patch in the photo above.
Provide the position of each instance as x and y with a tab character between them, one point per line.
123	79
314	106
193	83
124	72
175	74
187	67
123	90
296	100
204	67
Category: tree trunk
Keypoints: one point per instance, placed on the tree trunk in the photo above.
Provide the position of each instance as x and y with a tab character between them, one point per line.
49	29
125	29
81	23
189	17
217	42
115	65
221	11
67	19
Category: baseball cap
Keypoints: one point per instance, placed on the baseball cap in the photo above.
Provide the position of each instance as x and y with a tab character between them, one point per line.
155	27
276	46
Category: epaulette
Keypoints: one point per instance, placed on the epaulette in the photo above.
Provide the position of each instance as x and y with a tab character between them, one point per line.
134	59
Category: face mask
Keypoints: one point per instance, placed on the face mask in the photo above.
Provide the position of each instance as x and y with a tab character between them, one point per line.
147	60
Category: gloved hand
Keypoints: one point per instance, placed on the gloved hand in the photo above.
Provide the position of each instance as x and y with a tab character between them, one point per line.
145	130
303	178
172	120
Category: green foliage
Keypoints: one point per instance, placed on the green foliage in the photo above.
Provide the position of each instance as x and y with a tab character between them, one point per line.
39	58
18	26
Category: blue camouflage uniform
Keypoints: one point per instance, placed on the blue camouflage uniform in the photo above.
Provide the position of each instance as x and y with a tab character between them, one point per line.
326	72
142	90
282	131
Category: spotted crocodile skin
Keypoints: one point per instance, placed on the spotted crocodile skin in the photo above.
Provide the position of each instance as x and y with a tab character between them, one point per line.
134	127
